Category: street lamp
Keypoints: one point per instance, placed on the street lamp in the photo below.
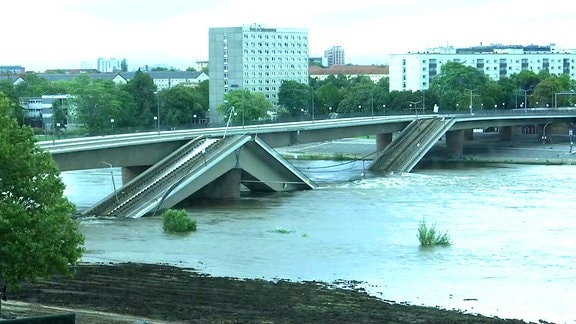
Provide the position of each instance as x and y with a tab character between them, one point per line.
194	119
54	132
525	97
414	103
544	135
471	97
113	183
157	111
360	109
112	123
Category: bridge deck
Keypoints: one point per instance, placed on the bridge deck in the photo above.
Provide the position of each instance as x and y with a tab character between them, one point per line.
412	144
196	165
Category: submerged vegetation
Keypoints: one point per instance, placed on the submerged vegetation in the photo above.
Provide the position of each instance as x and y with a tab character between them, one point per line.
177	221
428	236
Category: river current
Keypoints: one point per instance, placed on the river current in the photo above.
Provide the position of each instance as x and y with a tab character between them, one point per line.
512	227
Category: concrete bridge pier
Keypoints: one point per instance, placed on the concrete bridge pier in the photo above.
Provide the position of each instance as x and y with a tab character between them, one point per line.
383	140
226	187
455	143
505	133
129	173
468	134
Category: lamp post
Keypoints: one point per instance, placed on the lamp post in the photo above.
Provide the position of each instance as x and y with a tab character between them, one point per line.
414	103
571	134
525	97
312	108
112	123
360	109
54	132
471	97
157	111
194	121
113	183
372	102
544	135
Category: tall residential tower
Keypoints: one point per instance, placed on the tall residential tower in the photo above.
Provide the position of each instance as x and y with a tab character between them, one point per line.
335	56
255	58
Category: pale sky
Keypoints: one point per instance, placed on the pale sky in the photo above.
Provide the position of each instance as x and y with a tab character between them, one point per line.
49	34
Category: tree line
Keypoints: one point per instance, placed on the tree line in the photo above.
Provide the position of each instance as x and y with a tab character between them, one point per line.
101	104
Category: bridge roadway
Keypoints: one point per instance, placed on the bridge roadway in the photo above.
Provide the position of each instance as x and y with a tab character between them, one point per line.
141	150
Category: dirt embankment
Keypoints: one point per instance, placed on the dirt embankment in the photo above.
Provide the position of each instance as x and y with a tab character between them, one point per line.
125	293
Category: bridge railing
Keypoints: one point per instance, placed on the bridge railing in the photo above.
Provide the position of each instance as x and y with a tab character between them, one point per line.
307	117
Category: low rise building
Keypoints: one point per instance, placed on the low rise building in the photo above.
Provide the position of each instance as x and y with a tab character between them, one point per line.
375	73
415	71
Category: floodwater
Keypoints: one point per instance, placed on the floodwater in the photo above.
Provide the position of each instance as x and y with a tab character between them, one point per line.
512	227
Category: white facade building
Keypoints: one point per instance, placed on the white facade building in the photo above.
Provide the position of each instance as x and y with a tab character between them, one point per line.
335	56
109	65
254	58
415	71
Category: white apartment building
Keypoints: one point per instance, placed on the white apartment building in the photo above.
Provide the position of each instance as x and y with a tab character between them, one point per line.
415	71
109	65
335	56
255	58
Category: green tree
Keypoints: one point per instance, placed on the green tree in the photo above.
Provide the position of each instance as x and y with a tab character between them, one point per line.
142	89
38	236
98	102
328	97
294	96
180	105
457	85
15	110
244	106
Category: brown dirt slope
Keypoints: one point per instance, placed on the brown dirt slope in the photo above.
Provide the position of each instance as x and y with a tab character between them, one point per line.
162	293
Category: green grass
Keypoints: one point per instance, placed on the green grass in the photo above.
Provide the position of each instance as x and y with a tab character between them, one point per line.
177	221
429	236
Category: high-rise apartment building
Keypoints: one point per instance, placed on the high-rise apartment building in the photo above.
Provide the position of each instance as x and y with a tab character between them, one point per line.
254	58
415	71
109	65
335	56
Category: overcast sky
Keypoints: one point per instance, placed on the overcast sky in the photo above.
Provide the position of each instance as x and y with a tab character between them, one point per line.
47	34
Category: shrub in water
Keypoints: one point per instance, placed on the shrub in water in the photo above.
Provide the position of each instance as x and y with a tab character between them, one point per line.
177	221
428	236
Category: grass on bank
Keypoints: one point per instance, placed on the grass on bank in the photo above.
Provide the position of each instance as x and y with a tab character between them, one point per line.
429	236
177	221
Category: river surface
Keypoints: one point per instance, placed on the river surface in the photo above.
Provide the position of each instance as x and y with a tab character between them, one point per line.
513	230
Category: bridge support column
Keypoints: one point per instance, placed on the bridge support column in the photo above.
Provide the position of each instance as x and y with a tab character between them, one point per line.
469	134
382	140
455	143
129	173
505	133
226	187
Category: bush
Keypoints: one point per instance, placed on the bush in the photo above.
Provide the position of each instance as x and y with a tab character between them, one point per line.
428	236
177	221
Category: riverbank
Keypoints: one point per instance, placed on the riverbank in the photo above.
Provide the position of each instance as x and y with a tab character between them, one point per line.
484	148
130	292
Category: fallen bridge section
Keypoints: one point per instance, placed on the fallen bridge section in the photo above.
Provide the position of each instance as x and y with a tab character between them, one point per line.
412	144
207	168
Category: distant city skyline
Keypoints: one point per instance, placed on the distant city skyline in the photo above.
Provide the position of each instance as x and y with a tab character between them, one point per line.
175	32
